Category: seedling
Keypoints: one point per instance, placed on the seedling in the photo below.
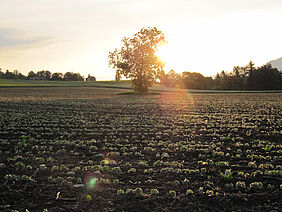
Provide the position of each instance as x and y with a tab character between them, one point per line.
227	175
186	182
189	192
88	197
172	193
154	192
42	167
2	165
256	185
20	166
129	191
116	181
240	184
270	187
55	168
209	193
120	192
132	170
138	191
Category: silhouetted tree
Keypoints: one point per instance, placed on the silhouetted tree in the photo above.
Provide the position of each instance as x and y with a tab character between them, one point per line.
249	77
31	74
265	78
217	82
225	80
161	76
137	60
77	77
209	83
236	79
57	76
118	76
46	75
21	76
10	75
70	76
172	79
194	80
1	74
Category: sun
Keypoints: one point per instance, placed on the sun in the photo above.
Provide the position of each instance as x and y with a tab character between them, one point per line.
163	52
171	55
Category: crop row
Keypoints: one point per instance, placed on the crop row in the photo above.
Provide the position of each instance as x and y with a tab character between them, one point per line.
154	147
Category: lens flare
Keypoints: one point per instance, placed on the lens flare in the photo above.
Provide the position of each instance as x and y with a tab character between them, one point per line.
162	51
92	180
92	183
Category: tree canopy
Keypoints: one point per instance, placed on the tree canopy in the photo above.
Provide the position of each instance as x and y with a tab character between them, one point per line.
41	75
247	77
136	58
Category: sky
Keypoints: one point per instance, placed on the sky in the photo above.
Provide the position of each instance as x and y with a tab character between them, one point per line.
205	36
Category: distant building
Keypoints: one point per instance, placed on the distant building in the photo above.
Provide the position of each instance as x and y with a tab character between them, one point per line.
90	78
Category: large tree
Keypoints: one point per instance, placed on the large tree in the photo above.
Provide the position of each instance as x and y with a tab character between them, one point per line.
136	59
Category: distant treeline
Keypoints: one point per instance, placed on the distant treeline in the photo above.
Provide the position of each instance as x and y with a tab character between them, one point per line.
241	78
247	77
42	75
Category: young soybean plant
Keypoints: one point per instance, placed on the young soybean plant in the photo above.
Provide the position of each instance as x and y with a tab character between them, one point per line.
154	192
172	193
120	192
189	192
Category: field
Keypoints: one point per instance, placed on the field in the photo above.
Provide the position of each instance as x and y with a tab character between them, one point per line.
43	83
90	149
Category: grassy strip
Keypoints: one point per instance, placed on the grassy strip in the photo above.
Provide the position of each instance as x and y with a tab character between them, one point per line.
43	83
124	84
139	93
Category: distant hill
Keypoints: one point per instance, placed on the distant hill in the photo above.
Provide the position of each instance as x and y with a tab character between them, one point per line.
277	63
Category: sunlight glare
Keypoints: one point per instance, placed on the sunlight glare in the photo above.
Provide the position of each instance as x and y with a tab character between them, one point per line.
162	51
173	55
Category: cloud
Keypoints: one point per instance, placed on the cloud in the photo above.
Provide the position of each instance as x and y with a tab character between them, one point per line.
12	38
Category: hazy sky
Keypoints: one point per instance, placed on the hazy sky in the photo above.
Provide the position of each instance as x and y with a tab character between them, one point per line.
204	36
